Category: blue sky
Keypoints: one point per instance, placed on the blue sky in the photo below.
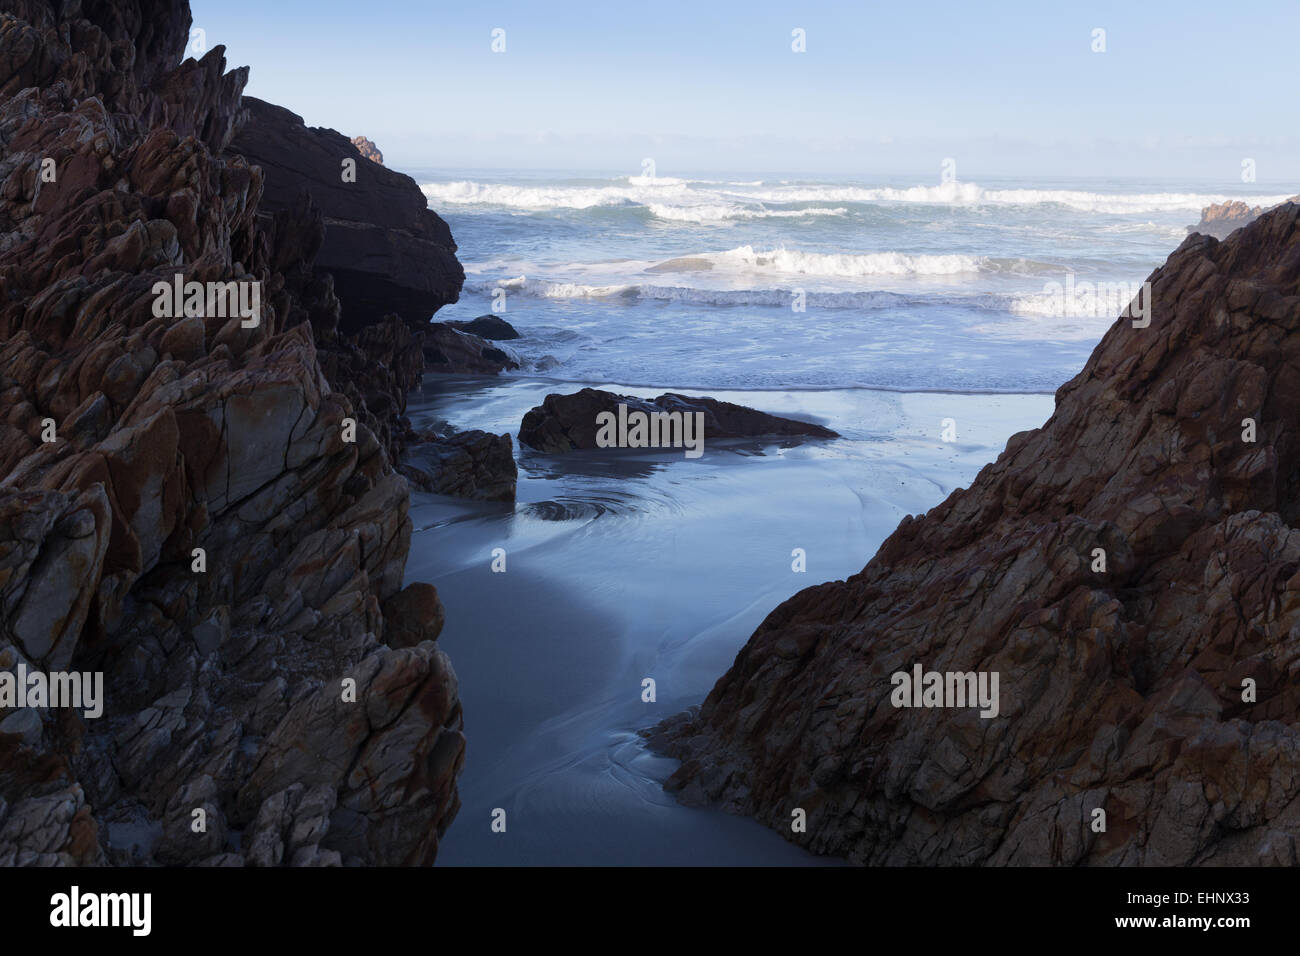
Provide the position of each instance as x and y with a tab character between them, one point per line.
1183	90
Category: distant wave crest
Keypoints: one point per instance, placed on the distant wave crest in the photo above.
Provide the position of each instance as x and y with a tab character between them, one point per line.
701	201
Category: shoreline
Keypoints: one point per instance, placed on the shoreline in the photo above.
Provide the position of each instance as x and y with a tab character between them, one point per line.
645	564
709	390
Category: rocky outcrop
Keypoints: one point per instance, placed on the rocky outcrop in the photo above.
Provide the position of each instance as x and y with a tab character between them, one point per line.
368	149
385	250
377	368
487	327
201	508
568	422
1130	572
451	351
1220	219
469	464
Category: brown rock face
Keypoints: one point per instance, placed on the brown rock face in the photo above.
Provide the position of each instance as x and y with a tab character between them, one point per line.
407	265
568	422
1160	690
181	508
1220	219
368	149
414	614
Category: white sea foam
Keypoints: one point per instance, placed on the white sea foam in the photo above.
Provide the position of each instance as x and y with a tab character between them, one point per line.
658	181
746	261
546	197
1029	304
971	194
719	212
934	286
847	265
672	198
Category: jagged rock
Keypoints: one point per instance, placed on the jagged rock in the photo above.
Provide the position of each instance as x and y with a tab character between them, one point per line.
468	464
377	368
488	327
1120	689
368	149
451	351
187	836
199	529
1220	219
385	249
568	422
52	550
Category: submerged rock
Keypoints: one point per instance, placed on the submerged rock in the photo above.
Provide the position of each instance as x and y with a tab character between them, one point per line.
1130	572
469	464
488	327
569	422
451	351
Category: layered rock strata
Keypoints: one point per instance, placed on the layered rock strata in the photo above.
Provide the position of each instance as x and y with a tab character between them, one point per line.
385	250
200	507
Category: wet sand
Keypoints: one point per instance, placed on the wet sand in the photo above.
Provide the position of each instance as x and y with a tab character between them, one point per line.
623	565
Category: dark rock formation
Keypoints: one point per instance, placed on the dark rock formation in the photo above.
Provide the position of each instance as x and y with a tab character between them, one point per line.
414	614
199	530
450	350
469	464
385	249
488	327
376	368
568	422
1126	689
368	149
1220	219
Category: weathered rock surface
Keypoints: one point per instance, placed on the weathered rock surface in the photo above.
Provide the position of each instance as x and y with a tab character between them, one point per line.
376	368
1121	690
1220	219
199	529
568	422
468	464
385	249
367	148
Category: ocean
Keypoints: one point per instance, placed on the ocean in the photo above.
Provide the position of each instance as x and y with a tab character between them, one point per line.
932	330
760	282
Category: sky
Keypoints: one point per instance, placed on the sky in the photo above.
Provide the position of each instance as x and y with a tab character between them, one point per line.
1181	91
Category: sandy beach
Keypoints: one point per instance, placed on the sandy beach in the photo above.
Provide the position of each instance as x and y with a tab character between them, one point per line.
633	565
